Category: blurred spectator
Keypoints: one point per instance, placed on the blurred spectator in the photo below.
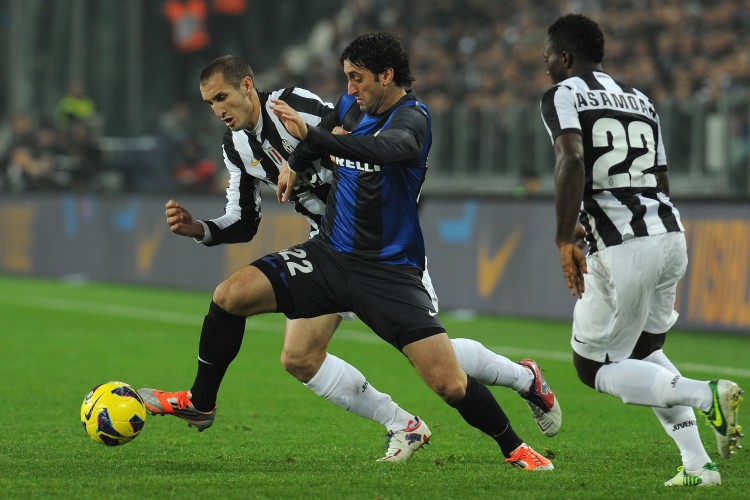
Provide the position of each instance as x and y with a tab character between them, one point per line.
27	172
83	158
21	131
228	27
75	106
175	126
34	159
195	172
18	134
739	154
191	40
176	130
39	157
6	136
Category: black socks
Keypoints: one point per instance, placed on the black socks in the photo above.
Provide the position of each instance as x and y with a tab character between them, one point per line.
221	338
480	409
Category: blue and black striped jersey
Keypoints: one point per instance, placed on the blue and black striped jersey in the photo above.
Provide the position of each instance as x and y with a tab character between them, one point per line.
379	169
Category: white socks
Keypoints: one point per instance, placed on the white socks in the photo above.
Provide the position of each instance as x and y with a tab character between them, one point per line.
680	424
490	368
654	381
645	383
345	386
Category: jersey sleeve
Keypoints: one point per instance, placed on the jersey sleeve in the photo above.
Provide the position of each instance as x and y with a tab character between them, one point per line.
310	107
304	154
401	140
242	215
661	154
559	112
314	112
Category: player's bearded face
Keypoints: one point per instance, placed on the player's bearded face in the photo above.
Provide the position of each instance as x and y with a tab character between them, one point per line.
366	87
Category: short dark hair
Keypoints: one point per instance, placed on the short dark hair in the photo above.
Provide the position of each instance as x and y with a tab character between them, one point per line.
578	35
232	68
379	51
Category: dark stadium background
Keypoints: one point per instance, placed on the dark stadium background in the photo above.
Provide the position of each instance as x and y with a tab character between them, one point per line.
478	66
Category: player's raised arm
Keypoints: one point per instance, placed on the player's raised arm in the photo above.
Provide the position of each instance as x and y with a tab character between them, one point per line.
291	119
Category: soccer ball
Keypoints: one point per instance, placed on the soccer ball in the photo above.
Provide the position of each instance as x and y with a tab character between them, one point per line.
113	413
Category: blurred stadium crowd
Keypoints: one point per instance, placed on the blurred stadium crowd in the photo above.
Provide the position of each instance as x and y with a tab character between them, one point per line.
474	54
489	53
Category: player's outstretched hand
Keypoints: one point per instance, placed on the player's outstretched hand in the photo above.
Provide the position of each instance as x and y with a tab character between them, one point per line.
573	266
290	118
181	222
287	181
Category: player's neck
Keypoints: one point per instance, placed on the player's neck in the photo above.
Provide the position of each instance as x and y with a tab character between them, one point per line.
584	68
391	99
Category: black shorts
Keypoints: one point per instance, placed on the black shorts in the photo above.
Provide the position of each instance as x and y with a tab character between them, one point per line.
311	279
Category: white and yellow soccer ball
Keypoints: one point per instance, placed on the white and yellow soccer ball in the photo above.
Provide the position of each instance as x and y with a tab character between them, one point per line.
113	413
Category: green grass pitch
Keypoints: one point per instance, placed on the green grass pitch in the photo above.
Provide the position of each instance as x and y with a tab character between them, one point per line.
275	439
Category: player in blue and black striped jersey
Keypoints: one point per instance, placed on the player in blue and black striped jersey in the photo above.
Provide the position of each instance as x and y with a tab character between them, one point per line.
254	149
611	176
369	256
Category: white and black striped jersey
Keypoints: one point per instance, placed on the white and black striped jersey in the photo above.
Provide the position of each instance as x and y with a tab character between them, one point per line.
254	157
622	149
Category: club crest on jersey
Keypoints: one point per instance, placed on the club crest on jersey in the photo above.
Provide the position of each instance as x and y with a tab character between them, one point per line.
288	146
357	165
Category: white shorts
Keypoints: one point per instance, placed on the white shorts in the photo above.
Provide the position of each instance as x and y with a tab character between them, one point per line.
630	288
426	281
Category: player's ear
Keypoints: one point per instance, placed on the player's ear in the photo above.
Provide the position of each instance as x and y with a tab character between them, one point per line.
386	76
248	85
567	59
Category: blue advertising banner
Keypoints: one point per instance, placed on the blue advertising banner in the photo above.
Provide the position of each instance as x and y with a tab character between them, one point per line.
487	255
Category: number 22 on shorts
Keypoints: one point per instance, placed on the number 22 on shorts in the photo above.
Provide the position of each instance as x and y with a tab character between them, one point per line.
295	261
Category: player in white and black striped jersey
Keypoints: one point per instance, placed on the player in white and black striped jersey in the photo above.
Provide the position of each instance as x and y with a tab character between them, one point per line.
611	176
626	187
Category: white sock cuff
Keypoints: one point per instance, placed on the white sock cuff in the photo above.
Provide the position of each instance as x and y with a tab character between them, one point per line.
328	377
466	354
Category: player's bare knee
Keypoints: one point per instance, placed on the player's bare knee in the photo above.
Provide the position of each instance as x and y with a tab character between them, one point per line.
451	391
301	367
224	296
235	296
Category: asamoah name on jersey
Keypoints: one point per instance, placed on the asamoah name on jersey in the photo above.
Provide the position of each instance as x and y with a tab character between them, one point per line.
602	99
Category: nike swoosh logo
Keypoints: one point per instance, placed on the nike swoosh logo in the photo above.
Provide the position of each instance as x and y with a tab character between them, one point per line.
718	420
432	313
579	341
93	405
491	268
254	163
